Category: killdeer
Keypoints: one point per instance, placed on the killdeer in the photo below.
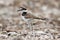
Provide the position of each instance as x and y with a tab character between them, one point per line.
27	17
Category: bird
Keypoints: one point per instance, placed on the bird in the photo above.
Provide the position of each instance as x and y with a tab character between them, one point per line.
28	17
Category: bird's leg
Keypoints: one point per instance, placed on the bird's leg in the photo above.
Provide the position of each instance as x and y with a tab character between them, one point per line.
30	25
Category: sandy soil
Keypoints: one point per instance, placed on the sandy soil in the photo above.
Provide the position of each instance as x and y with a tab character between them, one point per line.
12	26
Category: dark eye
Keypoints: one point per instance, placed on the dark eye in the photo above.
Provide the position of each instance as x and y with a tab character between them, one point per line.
24	13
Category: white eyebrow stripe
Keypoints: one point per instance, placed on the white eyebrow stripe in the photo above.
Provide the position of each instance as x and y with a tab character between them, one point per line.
25	11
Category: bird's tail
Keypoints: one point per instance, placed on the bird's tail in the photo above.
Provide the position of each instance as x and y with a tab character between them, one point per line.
42	18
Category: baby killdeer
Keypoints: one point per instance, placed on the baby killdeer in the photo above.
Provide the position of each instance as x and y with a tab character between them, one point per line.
27	17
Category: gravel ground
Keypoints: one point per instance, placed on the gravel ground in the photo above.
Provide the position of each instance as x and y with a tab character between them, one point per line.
12	27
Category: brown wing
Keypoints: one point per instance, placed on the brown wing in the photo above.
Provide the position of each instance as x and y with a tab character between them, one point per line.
33	17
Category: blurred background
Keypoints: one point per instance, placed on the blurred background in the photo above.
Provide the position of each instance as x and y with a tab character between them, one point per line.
12	25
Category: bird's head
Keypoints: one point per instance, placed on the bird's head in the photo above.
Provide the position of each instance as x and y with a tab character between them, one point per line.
22	11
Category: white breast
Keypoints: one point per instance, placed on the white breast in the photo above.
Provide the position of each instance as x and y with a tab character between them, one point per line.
24	19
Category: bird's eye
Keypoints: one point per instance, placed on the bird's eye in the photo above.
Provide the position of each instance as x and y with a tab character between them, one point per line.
24	13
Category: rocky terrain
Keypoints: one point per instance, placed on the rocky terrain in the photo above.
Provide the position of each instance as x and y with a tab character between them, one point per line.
12	27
